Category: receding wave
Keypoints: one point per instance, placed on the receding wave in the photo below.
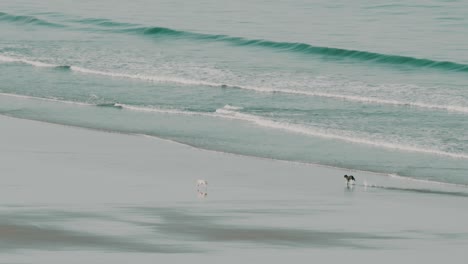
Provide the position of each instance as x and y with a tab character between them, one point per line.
184	81
63	67
356	98
300	129
153	78
229	112
26	20
426	181
110	105
55	100
34	63
418	190
165	111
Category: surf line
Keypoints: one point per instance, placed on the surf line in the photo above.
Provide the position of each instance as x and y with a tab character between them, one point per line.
183	81
229	112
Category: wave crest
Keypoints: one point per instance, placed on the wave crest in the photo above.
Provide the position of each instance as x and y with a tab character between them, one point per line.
304	48
184	81
297	47
26	20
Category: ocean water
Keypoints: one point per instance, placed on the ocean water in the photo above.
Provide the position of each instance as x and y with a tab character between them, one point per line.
365	85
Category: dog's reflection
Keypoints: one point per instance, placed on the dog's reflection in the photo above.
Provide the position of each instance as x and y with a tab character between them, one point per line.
202	188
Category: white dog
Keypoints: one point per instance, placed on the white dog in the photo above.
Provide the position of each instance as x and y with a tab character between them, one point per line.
202	183
202	188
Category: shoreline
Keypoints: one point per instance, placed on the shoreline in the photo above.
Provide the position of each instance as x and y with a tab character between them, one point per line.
69	190
312	165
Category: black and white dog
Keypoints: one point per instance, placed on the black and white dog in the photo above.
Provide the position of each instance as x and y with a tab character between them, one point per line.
349	179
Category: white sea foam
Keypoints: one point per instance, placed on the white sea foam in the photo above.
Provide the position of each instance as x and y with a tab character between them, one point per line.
163	111
416	182
331	135
30	62
56	100
424	181
229	112
355	98
230	107
166	79
262	89
183	81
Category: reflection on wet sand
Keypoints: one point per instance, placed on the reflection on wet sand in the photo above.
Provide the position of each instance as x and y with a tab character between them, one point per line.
14	237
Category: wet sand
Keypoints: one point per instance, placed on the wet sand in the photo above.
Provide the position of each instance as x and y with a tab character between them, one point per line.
82	196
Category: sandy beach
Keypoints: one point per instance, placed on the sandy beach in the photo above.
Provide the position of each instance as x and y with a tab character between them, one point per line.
220	131
75	195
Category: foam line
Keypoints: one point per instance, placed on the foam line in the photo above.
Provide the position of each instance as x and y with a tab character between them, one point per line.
325	134
183	81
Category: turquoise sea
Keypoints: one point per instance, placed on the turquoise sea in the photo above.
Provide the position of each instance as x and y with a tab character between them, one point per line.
376	86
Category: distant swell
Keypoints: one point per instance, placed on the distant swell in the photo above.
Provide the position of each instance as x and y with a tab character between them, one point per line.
103	22
184	81
304	48
26	20
297	47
